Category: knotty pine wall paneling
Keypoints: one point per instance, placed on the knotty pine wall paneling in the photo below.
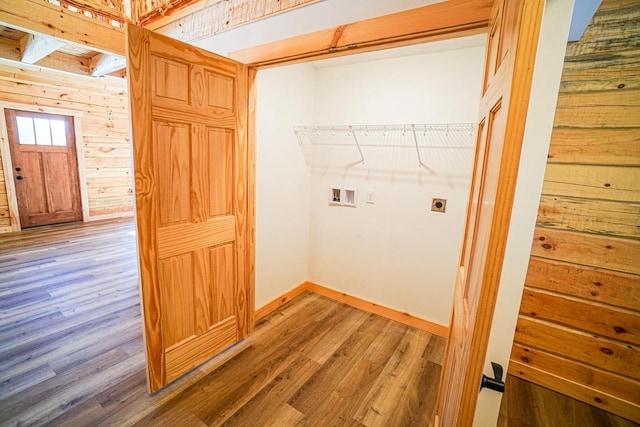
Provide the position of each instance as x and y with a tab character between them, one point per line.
104	127
579	327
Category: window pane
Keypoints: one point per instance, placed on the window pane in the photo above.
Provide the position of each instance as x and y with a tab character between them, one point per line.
57	133
25	131
43	132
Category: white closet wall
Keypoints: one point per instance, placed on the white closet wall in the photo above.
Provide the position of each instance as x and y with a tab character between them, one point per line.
394	252
285	98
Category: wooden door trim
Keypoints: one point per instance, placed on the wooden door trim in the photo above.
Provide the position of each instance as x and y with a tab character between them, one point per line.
252	102
525	57
440	21
7	162
7	166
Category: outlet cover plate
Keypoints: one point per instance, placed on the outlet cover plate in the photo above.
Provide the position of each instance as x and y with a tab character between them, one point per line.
438	205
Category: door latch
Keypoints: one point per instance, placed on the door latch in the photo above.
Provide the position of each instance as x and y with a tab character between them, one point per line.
496	382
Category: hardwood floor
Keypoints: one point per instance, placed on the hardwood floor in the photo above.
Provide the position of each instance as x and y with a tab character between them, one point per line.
71	350
525	404
69	317
71	353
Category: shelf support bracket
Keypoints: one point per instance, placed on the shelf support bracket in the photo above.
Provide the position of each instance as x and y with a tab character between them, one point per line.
355	138
415	141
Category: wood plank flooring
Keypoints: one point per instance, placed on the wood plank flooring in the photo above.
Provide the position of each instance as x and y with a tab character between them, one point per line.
69	317
71	353
526	404
71	350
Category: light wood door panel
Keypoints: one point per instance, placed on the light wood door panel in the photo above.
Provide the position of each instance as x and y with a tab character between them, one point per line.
46	176
189	129
512	42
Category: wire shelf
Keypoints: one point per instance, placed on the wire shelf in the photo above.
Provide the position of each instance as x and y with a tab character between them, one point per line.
419	137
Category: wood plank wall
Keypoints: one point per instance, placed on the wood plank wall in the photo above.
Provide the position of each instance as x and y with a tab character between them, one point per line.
579	327
105	130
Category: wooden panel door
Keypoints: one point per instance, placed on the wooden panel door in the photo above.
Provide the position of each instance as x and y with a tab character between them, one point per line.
189	127
511	50
45	167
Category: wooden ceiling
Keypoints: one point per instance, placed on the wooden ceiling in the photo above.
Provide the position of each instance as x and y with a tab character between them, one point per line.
86	37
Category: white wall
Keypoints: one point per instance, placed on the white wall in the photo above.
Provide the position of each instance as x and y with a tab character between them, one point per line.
285	98
537	136
395	252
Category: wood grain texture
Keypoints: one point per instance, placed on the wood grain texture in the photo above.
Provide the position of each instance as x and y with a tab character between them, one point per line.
588	215
146	194
179	359
70	317
612	253
48	190
599	380
345	358
597	146
280	301
72	353
508	74
607	354
48	19
244	298
412	26
583	283
252	102
547	408
626	410
593	284
100	110
356	302
175	239
205	18
72	349
192	174
596	318
601	109
113	9
620	183
381	310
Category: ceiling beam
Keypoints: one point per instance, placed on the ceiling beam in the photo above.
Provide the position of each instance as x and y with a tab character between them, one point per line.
440	21
10	53
210	17
39	17
34	47
102	64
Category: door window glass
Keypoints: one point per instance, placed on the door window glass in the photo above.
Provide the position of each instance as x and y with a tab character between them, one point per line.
39	131
58	135
25	131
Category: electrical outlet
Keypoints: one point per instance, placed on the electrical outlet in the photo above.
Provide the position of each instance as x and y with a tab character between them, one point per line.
438	205
371	196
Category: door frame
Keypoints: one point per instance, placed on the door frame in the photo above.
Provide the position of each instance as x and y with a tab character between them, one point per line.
7	161
295	50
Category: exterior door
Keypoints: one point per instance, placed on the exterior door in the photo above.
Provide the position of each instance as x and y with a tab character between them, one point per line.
189	128
45	167
511	51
